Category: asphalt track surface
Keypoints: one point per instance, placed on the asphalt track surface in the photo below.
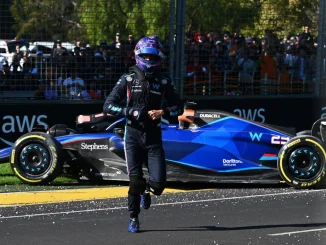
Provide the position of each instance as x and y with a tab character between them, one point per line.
238	215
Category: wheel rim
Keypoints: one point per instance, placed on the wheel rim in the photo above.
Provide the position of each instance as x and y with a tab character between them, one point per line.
304	163
34	159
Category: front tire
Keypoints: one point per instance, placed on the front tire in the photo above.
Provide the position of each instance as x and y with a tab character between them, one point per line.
36	158
301	161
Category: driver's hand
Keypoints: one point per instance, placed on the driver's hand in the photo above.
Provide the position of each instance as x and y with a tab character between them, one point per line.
155	114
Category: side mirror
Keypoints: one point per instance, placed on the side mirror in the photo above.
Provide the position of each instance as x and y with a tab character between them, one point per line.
38	128
119	131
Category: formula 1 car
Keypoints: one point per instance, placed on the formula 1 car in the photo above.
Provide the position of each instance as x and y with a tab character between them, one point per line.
203	146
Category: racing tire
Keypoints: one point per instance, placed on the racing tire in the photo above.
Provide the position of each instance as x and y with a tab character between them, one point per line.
304	132
301	161
36	158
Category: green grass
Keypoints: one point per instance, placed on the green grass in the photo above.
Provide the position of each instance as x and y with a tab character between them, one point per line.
9	182
7	177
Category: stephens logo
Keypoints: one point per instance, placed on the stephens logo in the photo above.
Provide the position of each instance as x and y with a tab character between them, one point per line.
94	146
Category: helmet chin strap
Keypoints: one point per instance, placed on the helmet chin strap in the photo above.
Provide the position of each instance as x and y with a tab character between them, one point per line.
153	74
145	74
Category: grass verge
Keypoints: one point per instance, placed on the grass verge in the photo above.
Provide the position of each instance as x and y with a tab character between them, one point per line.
10	183
7	177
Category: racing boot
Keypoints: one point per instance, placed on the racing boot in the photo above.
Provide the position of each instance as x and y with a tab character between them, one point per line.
145	200
133	225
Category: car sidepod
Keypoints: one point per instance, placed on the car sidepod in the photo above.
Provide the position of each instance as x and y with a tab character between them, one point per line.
226	149
100	155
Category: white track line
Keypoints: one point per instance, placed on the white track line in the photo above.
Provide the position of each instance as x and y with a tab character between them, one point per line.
162	204
296	232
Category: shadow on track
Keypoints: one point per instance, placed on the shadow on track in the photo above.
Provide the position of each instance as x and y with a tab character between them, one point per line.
221	228
185	186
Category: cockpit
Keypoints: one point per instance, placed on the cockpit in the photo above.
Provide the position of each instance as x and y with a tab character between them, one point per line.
187	119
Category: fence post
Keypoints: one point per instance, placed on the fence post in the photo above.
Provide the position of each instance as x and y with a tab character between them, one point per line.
179	47
321	55
171	39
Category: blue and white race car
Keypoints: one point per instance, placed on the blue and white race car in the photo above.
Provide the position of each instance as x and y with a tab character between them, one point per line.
204	146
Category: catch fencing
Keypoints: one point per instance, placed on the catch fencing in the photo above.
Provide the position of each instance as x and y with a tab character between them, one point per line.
77	50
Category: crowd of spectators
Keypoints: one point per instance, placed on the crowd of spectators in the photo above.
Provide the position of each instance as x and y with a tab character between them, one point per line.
231	63
84	72
213	59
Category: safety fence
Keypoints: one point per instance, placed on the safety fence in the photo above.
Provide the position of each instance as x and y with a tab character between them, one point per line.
238	84
63	50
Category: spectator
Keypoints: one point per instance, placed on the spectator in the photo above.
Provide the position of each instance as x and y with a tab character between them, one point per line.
59	52
73	85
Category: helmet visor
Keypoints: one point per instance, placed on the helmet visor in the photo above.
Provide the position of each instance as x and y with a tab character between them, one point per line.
147	51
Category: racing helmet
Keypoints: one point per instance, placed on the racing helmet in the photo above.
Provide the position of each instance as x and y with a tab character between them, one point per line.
149	45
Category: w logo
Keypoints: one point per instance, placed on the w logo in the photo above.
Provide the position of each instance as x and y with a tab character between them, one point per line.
156	86
255	136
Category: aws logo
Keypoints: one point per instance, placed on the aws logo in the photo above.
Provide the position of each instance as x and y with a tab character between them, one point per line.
255	136
251	114
13	125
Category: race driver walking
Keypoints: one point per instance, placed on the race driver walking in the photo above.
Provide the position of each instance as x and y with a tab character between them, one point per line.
147	96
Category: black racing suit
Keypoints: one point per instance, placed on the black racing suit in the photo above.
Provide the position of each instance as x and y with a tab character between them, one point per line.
143	136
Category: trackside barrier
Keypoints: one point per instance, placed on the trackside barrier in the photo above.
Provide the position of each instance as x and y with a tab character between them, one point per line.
213	84
19	117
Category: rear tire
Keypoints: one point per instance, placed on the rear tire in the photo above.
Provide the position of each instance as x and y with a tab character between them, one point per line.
36	158
304	132
301	161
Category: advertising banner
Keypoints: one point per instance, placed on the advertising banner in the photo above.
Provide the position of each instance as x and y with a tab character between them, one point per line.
18	119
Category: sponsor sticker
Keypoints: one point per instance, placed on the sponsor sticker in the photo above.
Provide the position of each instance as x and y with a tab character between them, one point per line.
155	92
20	124
209	115
94	146
279	140
231	162
135	113
156	86
108	174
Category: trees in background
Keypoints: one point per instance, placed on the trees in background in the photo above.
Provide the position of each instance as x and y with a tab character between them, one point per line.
95	20
6	20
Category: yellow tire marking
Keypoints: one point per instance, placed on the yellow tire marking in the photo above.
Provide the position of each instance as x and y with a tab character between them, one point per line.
55	196
27	180
281	167
30	136
12	159
293	143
